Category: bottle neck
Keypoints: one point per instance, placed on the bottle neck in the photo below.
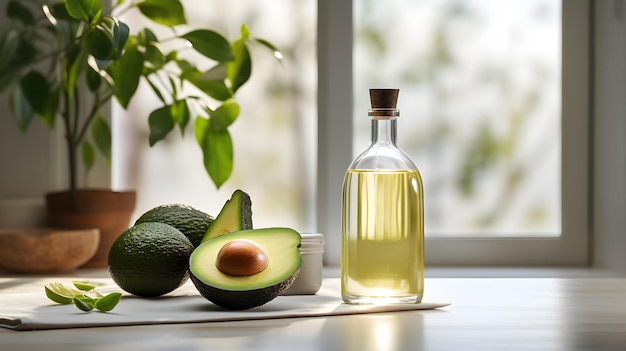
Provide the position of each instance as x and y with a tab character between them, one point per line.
384	131
384	126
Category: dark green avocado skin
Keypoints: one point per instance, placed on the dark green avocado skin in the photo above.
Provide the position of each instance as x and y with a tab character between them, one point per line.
245	299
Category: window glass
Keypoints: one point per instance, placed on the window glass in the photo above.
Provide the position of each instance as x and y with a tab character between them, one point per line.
480	113
480	97
274	137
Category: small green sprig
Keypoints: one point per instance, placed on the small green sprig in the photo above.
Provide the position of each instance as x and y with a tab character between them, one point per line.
86	298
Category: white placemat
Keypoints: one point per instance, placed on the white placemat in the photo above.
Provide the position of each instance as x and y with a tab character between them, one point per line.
34	311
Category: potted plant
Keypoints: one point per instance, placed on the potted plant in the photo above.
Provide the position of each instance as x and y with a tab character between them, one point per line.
64	61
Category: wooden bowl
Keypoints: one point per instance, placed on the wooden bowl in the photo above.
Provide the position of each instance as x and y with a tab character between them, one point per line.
44	250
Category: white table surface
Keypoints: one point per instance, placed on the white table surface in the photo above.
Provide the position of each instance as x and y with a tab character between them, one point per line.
554	312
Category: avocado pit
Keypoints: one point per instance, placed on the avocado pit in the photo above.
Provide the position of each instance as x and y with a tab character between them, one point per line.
242	258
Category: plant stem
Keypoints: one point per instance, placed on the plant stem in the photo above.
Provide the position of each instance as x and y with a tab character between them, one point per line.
70	118
92	114
72	170
71	151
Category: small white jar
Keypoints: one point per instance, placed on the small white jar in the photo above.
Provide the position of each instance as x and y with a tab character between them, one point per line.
309	280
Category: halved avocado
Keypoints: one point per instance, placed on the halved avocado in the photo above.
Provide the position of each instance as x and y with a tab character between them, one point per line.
236	215
243	292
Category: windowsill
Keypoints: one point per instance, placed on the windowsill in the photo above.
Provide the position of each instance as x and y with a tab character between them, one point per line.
431	272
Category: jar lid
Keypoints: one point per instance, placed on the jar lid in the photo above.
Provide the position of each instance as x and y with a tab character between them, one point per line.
312	243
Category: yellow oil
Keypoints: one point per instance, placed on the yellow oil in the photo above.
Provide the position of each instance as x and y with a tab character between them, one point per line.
383	237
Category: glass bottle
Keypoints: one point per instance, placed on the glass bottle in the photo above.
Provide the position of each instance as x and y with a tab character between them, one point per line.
382	254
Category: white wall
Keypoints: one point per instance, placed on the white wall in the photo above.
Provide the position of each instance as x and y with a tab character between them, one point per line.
24	171
24	166
33	163
24	156
609	121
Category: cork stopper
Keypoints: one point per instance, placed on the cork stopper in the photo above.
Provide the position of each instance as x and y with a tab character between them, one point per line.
384	98
383	102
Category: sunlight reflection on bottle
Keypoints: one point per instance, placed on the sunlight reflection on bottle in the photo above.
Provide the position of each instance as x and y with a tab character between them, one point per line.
384	296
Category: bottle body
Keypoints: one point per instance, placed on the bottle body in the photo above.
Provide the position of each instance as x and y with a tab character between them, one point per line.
383	237
382	253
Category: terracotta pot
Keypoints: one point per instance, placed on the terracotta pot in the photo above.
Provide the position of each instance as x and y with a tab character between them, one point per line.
107	210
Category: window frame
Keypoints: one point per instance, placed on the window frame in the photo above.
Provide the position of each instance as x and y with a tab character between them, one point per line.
335	96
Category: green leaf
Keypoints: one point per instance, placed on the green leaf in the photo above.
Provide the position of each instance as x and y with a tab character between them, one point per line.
188	70
93	79
14	53
156	91
271	47
88	155
108	302
104	65
99	42
217	150
224	115
106	40
210	44
213	88
21	13
200	127
52	102
83	286
96	18
21	109
83	9
59	11
240	69
9	43
36	88
101	134
165	12
180	114
161	122
211	82
147	37
40	96
120	36
153	53
126	73
245	31
84	303
77	64
59	293
174	87
26	54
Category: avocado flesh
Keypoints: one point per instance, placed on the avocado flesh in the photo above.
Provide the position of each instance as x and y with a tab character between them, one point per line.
236	215
232	292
